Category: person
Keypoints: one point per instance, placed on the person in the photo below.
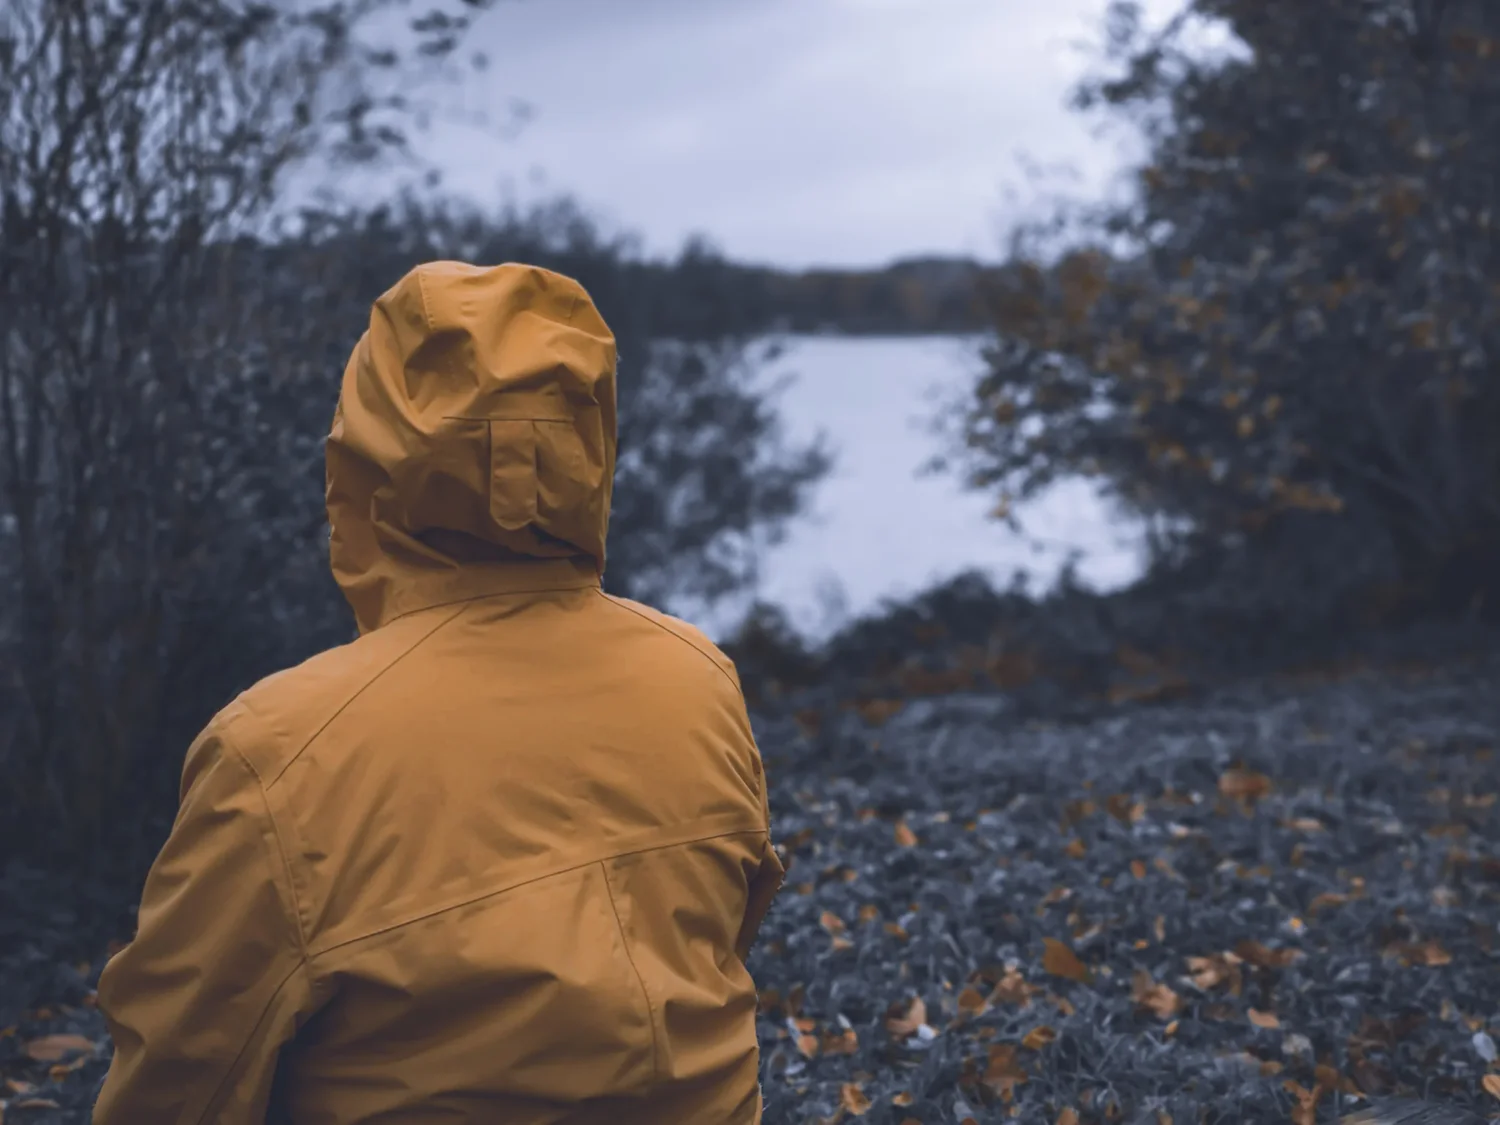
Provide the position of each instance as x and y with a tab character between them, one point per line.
501	858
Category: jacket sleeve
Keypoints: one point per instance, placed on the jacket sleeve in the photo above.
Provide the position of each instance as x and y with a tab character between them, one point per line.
215	981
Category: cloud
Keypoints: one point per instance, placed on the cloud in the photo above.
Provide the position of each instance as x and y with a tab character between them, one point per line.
791	131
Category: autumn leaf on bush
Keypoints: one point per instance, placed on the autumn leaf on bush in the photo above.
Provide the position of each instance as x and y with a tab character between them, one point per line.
1061	961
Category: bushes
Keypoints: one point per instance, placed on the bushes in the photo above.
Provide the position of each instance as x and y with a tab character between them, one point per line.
1285	347
169	363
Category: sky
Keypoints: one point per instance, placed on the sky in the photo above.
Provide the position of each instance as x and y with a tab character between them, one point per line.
789	132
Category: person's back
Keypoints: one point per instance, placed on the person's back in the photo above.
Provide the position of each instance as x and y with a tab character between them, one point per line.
500	859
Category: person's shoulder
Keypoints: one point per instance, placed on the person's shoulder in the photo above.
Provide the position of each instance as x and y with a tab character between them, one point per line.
686	632
272	721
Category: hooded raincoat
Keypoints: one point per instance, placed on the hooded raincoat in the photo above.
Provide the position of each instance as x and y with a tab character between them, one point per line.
499	860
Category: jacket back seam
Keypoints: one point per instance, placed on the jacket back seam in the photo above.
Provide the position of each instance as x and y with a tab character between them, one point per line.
678	636
433	913
640	980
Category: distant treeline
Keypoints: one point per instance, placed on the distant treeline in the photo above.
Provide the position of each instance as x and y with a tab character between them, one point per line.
910	296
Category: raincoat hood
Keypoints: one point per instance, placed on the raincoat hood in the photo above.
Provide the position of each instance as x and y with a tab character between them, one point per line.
474	440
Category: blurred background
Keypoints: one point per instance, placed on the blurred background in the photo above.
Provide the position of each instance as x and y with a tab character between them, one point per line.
969	342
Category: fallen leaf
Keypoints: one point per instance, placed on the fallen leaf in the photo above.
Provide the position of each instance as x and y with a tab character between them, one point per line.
50	1048
1244	785
904	1020
1038	1037
1137	869
1067	1116
1076	849
852	1098
903	1098
1491	1083
831	922
972	1000
905	837
1156	998
1263	1019
1061	961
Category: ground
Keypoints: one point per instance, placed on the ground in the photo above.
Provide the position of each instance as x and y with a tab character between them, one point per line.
1269	903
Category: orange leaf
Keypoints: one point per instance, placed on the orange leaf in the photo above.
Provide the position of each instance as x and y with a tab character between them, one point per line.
50	1048
1038	1037
1491	1084
1263	1019
1076	849
1157	998
1244	785
852	1098
1061	961
905	837
904	1020
1067	1116
831	922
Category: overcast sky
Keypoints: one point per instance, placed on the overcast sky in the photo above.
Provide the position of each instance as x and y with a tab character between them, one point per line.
795	132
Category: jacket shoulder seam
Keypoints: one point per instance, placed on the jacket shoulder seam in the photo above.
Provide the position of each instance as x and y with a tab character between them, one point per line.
364	687
281	852
614	908
694	645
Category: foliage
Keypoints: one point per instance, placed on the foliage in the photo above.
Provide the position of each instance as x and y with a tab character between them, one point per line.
1284	349
169	361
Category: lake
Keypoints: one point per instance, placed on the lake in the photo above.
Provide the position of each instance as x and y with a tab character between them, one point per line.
877	528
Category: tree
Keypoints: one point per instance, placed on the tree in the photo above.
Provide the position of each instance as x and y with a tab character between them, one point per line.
1283	350
169	361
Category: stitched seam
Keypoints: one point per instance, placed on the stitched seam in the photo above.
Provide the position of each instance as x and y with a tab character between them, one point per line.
639	979
281	851
581	584
426	304
534	879
694	645
234	1064
416	644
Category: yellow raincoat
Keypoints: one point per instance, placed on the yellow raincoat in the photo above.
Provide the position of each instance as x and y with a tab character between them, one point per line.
500	859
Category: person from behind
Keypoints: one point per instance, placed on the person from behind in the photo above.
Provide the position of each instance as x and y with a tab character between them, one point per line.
500	859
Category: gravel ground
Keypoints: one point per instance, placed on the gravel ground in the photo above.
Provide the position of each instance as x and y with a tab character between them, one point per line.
1270	903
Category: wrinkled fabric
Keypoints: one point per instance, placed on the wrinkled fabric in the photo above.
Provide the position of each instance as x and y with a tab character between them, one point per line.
499	860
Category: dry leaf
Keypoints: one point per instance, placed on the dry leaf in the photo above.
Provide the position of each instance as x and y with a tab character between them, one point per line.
1038	1037
51	1048
903	1098
1244	785
1491	1083
852	1098
904	1020
1138	869
1156	998
1067	1116
831	922
1076	849
1061	961
905	837
1263	1019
